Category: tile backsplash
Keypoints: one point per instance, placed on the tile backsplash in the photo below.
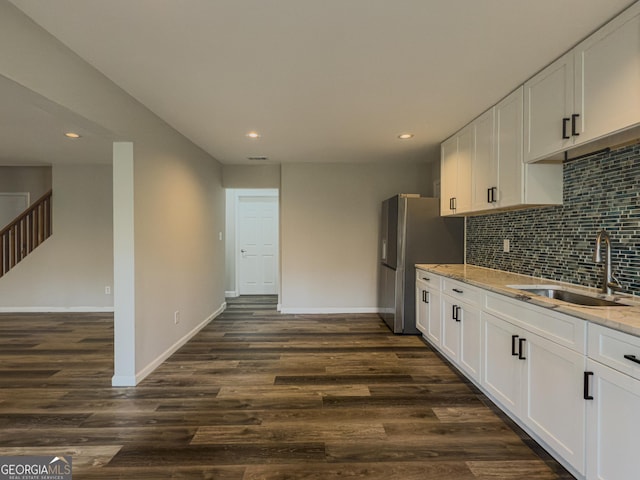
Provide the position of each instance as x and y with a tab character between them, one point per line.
600	191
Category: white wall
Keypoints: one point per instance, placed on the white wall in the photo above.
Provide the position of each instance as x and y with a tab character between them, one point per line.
230	244
179	256
70	270
35	180
178	205
251	176
330	217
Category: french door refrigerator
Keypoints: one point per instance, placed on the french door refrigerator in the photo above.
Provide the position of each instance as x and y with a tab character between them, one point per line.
412	231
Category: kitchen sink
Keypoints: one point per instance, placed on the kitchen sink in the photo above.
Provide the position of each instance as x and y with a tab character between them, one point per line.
569	297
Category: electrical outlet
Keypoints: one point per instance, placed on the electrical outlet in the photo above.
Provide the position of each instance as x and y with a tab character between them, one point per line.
176	317
506	245
107	290
219	235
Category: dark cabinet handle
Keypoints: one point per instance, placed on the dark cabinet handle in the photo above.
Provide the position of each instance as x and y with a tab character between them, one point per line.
574	117
426	279
585	394
455	313
633	358
452	203
426	297
521	349
491	194
565	124
513	345
457	290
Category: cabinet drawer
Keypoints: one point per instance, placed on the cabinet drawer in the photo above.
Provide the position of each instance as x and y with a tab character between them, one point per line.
462	291
609	347
430	279
557	327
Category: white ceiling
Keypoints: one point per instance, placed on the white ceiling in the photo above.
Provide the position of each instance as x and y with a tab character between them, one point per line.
323	80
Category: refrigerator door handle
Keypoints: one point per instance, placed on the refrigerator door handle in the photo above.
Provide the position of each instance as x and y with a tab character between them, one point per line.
384	250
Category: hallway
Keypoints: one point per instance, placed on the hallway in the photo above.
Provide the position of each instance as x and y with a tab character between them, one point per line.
255	395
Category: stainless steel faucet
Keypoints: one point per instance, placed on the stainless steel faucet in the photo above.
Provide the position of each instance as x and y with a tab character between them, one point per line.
609	282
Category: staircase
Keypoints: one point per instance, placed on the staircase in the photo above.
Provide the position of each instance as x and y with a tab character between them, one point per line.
25	233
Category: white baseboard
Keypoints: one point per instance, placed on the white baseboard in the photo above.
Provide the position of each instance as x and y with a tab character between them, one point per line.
56	309
231	294
123	381
326	310
142	374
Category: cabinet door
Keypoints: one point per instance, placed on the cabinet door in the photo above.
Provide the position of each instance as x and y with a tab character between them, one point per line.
463	188
434	325
613	423
548	100
422	307
448	174
502	371
553	406
607	80
508	150
450	329
470	341
484	165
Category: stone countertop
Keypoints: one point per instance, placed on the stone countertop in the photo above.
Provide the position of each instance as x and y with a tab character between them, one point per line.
623	318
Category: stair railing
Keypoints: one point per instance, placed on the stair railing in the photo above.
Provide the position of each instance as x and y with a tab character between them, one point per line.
25	233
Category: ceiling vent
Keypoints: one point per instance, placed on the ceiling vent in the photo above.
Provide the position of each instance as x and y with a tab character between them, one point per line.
259	158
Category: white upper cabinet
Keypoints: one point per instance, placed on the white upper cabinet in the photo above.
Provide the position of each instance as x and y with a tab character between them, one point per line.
607	80
455	168
508	150
548	103
590	93
499	179
448	174
484	162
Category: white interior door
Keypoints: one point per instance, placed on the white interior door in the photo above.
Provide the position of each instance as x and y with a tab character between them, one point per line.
257	228
12	205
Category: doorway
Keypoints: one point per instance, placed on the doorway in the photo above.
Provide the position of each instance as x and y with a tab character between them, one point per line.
252	243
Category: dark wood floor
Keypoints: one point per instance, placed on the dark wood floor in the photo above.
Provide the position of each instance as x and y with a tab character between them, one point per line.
255	395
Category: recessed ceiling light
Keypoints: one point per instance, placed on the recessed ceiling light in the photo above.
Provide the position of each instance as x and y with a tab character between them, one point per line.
405	136
253	135
72	135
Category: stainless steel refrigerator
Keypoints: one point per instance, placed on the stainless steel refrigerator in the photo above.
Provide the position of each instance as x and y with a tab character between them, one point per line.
412	231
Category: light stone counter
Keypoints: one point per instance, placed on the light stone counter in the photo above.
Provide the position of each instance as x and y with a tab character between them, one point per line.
622	318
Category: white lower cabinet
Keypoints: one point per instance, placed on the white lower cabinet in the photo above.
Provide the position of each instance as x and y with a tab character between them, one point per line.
422	308
461	335
554	407
502	376
428	317
613	423
540	383
613	419
584	406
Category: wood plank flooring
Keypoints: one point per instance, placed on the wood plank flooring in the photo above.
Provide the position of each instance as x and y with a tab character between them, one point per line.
255	396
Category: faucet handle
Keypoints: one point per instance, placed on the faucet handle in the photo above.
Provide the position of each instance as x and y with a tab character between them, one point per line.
614	284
